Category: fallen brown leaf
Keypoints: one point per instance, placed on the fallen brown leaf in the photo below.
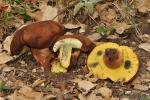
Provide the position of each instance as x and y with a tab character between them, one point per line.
145	46
105	92
94	36
101	7
143	5
6	43
86	85
18	83
5	6
141	87
38	82
4	57
8	69
31	94
120	27
94	96
25	89
46	12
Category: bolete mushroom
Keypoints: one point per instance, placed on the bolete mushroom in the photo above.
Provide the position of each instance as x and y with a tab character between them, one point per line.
43	56
109	60
57	67
66	43
38	35
65	47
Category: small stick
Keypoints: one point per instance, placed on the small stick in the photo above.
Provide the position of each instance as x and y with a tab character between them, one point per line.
93	19
74	17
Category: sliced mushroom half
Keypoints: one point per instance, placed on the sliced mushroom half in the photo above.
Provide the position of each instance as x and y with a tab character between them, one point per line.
65	47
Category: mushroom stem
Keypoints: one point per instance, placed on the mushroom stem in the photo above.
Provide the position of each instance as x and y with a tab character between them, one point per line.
43	56
65	55
113	58
74	57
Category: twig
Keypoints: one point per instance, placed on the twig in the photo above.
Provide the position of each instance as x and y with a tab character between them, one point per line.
74	17
138	32
28	73
127	88
93	19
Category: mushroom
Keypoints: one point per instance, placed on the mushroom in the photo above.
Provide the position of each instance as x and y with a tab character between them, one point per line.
38	35
113	57
65	47
57	67
87	46
66	43
43	56
109	60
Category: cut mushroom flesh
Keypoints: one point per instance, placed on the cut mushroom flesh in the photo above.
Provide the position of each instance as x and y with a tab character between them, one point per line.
57	67
65	47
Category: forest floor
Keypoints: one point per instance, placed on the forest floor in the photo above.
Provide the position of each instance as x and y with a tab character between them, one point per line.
122	22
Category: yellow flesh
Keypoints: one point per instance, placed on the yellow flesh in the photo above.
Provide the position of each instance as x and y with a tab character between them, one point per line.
57	68
65	49
65	55
118	74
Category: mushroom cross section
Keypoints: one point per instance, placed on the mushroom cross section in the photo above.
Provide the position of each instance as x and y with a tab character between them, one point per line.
65	47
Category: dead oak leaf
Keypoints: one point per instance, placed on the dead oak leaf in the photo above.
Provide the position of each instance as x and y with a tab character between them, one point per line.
4	57
120	27
86	85
6	43
140	87
143	5
101	7
26	93
5	6
45	13
49	12
145	46
108	16
105	92
36	15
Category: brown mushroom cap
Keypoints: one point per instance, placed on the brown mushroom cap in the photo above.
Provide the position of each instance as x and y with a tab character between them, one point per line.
113	57
38	35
